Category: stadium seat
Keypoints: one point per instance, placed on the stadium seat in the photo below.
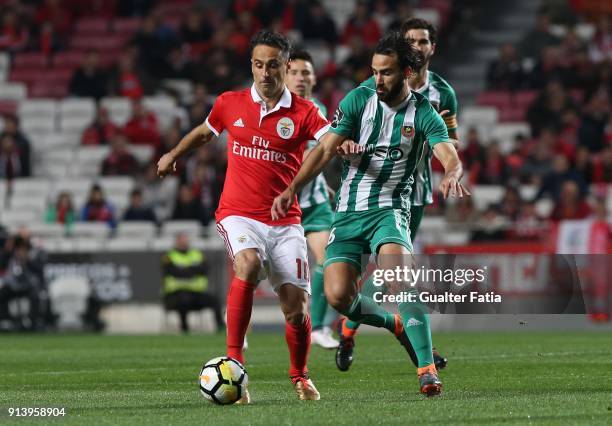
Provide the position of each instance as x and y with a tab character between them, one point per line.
485	195
164	108
12	91
125	26
90	230
544	207
31	187
127	244
69	59
456	238
162	244
88	244
429	14
47	231
82	107
136	229
38	124
28	202
173	227
207	244
62	140
479	116
505	133
184	88
91	26
50	89
122	184
119	109
143	153
524	98
74	123
13	219
30	60
37	108
494	98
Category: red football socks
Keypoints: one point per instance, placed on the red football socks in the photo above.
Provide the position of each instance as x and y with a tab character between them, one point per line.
239	307
298	341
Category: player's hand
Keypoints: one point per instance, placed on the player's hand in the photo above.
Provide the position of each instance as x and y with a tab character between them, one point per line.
349	149
451	187
166	165
282	203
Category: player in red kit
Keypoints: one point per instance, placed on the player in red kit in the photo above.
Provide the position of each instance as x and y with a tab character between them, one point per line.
268	128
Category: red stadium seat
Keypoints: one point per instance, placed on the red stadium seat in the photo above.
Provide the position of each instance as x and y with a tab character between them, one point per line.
8	107
26	75
125	26
100	43
71	58
98	26
35	60
524	98
49	89
512	114
498	99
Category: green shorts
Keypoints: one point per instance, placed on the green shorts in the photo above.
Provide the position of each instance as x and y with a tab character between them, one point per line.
416	215
317	218
355	234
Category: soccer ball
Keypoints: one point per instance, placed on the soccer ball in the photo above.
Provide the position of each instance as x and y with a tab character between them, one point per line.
223	380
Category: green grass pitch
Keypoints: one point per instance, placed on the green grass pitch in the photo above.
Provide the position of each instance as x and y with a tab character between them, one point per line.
492	378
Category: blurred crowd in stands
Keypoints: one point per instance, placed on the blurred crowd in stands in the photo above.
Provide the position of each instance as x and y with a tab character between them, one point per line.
567	155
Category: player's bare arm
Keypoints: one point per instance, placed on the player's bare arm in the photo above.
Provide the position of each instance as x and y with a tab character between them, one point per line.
453	170
313	165
194	139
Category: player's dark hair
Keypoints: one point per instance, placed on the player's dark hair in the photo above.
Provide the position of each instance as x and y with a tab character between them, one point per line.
297	54
420	24
272	39
407	56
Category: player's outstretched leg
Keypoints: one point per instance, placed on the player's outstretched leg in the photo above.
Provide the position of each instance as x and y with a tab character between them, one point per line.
321	335
341	293
294	303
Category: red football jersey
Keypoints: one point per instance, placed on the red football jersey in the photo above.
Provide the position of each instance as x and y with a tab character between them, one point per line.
264	150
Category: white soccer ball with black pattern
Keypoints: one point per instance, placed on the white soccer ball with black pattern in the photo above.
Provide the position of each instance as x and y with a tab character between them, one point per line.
223	380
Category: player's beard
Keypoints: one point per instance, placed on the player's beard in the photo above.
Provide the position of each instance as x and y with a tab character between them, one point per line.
393	93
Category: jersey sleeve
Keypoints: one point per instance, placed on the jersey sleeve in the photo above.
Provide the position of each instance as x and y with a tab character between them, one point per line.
448	101
347	115
432	125
370	83
214	121
316	123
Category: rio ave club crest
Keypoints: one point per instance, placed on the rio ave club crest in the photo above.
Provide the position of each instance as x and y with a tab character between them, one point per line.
285	127
407	131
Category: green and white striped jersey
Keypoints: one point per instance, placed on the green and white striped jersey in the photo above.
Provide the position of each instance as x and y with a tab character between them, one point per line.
394	140
442	97
315	191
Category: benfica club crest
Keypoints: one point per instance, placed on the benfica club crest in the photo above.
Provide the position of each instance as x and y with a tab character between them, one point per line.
407	131
285	127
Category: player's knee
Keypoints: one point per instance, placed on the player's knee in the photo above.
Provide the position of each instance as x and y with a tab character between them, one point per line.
337	297
247	265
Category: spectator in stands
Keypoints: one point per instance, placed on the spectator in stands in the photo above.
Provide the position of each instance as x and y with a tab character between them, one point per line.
137	210
583	164
14	34
602	166
219	69
153	42
142	127
462	215
186	283
120	161
159	194
97	209
48	40
205	179
126	79
489	227
53	12
381	14
11	127
473	151
62	211
178	66
551	66
24	277
362	25
548	108
528	225
570	204
510	203
561	173
538	38
537	164
10	161
318	25
600	50
187	207
594	119
357	67
493	170
101	131
89	80
194	29
200	106
506	72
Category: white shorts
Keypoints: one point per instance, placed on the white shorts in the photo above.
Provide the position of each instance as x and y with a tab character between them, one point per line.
283	249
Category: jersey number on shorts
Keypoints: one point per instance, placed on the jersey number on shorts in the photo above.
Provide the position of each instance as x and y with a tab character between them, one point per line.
302	267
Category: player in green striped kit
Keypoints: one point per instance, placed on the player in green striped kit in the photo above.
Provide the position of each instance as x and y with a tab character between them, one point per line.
422	35
393	126
317	214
